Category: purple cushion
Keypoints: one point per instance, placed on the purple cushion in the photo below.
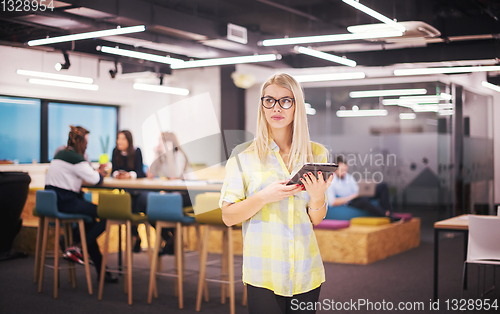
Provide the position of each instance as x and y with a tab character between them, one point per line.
403	216
333	224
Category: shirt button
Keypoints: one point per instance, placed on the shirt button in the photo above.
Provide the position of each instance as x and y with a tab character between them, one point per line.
290	226
291	241
291	270
291	256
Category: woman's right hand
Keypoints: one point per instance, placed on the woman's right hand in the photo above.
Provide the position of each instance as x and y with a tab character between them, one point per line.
278	191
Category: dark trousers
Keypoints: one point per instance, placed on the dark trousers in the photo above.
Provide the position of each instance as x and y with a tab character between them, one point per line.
139	205
93	229
262	301
381	195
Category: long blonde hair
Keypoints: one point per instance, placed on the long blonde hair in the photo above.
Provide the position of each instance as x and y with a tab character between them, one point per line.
300	151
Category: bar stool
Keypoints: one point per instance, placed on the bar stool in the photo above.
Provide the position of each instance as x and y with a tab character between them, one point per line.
208	213
167	211
46	207
39	236
117	210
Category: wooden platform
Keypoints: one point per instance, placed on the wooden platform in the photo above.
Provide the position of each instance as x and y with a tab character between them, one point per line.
354	245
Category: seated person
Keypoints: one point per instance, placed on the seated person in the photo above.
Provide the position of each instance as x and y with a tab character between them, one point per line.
344	190
127	164
65	175
171	162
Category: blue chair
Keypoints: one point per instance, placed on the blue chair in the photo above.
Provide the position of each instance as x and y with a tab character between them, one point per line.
346	212
46	206
166	209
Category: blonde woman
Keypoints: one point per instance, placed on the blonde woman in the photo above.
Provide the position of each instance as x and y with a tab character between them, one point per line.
281	260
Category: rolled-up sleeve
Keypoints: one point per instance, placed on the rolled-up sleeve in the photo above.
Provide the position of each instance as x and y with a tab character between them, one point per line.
233	189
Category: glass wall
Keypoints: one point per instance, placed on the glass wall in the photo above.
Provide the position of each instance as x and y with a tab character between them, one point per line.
101	121
19	129
400	152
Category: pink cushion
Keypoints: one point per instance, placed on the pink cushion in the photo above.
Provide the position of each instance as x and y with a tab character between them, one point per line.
333	224
403	216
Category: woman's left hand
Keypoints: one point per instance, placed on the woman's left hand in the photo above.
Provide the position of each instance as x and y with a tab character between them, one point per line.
316	187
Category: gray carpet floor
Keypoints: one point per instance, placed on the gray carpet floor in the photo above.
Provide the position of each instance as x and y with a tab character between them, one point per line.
405	277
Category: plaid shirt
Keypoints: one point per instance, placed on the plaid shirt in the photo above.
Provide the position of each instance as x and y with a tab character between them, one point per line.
280	251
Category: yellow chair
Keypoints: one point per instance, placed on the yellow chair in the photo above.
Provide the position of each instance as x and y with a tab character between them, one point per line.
370	221
208	213
117	210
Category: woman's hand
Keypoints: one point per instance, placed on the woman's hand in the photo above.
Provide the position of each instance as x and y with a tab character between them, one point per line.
316	187
278	191
123	175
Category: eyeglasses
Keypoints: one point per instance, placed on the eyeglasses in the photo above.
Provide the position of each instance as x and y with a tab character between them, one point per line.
270	102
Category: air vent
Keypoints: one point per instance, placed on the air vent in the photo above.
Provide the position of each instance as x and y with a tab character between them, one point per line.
237	33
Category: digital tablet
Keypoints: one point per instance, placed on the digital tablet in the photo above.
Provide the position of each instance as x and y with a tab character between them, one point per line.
326	170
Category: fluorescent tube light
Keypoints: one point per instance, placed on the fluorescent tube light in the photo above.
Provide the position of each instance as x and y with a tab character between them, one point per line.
162	89
375	14
139	55
326	56
491	86
429	99
425	108
64	84
407	116
328	38
224	61
446	112
108	32
427	71
388	92
62	77
361	113
329	77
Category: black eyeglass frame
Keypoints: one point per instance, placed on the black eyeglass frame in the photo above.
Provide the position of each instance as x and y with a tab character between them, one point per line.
277	101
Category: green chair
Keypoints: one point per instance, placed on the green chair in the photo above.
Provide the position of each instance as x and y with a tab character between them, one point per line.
208	213
117	210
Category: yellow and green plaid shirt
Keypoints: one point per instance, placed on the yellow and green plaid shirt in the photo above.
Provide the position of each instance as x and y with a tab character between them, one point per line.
280	251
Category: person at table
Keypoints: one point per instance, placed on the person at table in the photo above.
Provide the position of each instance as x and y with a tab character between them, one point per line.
127	164
281	258
65	175
171	162
344	190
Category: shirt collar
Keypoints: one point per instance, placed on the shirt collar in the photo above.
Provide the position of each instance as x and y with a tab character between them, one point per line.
274	146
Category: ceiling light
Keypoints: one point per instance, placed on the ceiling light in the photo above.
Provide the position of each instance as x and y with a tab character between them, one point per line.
450	70
66	64
326	56
425	108
138	55
310	111
446	112
329	77
491	86
361	113
407	116
388	92
62	77
328	38
108	32
162	89
428	99
224	61
375	14
64	84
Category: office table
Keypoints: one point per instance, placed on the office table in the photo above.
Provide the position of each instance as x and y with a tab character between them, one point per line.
455	224
157	185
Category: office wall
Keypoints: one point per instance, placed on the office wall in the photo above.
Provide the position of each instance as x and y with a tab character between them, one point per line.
135	106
